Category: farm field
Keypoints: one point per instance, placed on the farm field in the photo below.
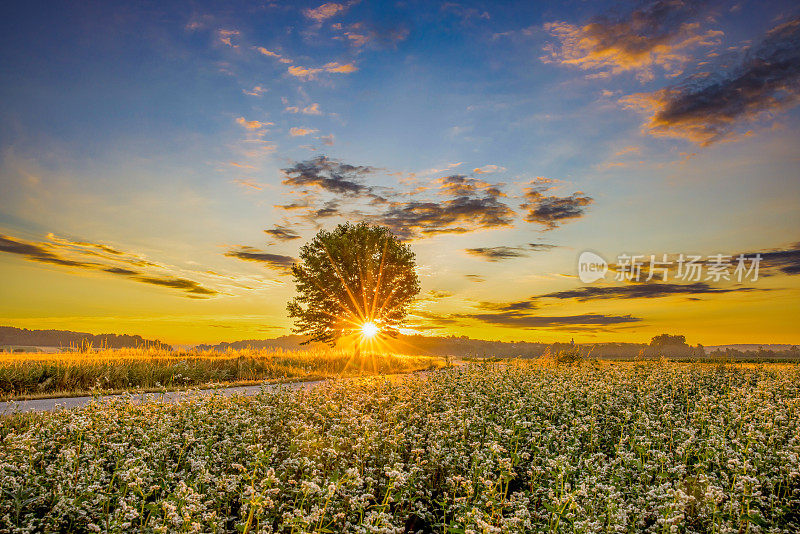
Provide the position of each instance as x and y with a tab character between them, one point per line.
510	447
31	375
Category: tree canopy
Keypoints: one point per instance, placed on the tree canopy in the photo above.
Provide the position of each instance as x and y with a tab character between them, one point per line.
355	275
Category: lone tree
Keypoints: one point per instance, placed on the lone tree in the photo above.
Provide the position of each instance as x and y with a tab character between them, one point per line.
356	279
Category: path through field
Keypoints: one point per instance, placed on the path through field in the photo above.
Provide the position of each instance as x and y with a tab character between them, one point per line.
51	405
61	403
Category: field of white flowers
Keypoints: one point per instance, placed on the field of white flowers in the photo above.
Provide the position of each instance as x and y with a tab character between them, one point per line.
481	448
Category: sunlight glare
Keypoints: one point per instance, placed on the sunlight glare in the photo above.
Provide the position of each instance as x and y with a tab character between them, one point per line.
369	329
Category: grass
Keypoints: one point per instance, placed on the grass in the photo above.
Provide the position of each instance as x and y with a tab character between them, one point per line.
36	375
506	448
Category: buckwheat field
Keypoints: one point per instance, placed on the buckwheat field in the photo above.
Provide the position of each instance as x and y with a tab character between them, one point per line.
623	447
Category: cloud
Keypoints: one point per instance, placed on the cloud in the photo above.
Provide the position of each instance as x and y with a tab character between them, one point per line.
327	140
282	233
551	210
456	216
312	109
496	253
540	247
71	243
329	175
787	261
505	252
225	37
248	183
488	169
460	185
43	252
255	91
360	34
470	204
325	11
766	81
274	261
474	278
657	34
298	132
519	317
267	53
516	306
640	291
189	286
305	73
38	252
252	125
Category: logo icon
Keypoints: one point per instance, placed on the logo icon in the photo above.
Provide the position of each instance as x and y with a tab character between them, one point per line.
591	267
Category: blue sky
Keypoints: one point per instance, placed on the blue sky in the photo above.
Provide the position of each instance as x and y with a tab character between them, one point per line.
164	132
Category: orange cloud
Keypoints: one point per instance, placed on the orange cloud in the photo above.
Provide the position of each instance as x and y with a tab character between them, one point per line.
248	184
252	125
266	52
255	91
297	131
325	11
225	36
655	35
312	109
488	169
766	81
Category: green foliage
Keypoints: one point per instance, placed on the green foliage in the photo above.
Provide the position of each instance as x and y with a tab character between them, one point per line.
355	274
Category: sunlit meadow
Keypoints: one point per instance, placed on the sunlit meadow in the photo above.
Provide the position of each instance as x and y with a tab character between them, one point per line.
74	373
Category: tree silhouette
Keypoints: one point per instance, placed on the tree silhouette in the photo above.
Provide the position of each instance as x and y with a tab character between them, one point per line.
359	277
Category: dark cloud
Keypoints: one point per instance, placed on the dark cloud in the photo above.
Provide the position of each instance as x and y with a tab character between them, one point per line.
282	233
38	252
541	247
640	290
329	175
329	209
121	270
496	253
516	306
41	253
703	111
653	35
474	278
787	261
505	253
551	210
520	319
458	215
189	286
275	261
458	185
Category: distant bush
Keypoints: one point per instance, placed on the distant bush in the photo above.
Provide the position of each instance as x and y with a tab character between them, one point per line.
570	356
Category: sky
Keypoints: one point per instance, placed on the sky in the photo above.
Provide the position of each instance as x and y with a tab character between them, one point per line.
161	163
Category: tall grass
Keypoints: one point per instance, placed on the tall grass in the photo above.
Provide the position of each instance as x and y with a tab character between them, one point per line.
32	374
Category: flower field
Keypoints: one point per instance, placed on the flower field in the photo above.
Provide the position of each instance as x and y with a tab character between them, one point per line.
619	447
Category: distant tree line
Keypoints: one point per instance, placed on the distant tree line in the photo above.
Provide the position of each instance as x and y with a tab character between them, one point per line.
66	338
666	345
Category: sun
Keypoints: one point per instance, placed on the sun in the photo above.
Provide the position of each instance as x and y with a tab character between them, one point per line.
369	329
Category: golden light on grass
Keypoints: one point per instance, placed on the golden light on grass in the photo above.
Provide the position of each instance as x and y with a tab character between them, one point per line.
369	329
